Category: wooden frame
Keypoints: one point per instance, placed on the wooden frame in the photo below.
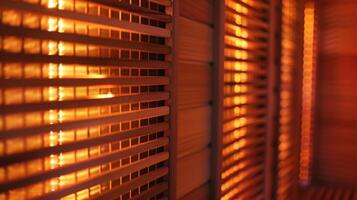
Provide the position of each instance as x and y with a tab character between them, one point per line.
217	116
173	102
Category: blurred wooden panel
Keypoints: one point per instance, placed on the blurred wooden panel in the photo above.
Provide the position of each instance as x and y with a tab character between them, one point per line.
198	10
193	171
194	128
194	84
194	41
202	193
335	150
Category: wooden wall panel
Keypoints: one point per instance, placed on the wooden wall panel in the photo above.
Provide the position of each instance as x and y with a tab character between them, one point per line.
194	41
336	131
194	130
202	193
194	84
198	10
193	171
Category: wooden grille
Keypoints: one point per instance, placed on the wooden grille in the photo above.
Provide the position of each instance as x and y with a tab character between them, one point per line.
289	72
308	93
246	52
84	99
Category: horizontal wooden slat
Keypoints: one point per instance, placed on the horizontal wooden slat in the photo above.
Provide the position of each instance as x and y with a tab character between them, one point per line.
201	193
245	175
135	183
241	155
253	132
93	61
259	6
248	19
148	194
27	7
251	9
257	93
244	165
254	33
84	39
154	80
136	9
57	105
160	111
107	176
46	151
163	2
42	176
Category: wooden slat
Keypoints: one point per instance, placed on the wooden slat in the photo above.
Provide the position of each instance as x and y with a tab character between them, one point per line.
93	61
46	151
84	39
241	155
42	176
136	183
202	193
136	9
27	7
152	192
252	10
106	176
249	20
58	105
84	123
163	2
155	80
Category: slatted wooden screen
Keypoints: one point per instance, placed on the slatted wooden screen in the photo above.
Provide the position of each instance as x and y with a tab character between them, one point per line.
246	50
290	103
308	93
84	99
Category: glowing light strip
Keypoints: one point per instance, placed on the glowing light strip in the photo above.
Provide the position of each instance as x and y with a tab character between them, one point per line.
307	94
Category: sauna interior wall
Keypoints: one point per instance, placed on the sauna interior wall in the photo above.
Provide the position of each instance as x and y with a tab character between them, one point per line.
335	148
194	85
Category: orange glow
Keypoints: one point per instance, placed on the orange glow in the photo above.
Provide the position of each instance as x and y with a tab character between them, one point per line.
241	101
57	94
307	94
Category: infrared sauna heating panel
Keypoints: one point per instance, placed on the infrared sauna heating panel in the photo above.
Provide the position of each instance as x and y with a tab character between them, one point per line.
84	99
246	50
289	76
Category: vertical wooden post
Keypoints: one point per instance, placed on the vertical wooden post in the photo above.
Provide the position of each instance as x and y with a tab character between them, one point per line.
173	102
273	98
218	85
275	66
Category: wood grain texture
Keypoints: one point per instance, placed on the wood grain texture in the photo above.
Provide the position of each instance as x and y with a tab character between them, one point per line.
198	10
195	41
194	84
193	171
194	87
335	150
194	130
201	193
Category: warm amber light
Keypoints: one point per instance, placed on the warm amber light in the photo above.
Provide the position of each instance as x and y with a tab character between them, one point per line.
243	73
307	94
